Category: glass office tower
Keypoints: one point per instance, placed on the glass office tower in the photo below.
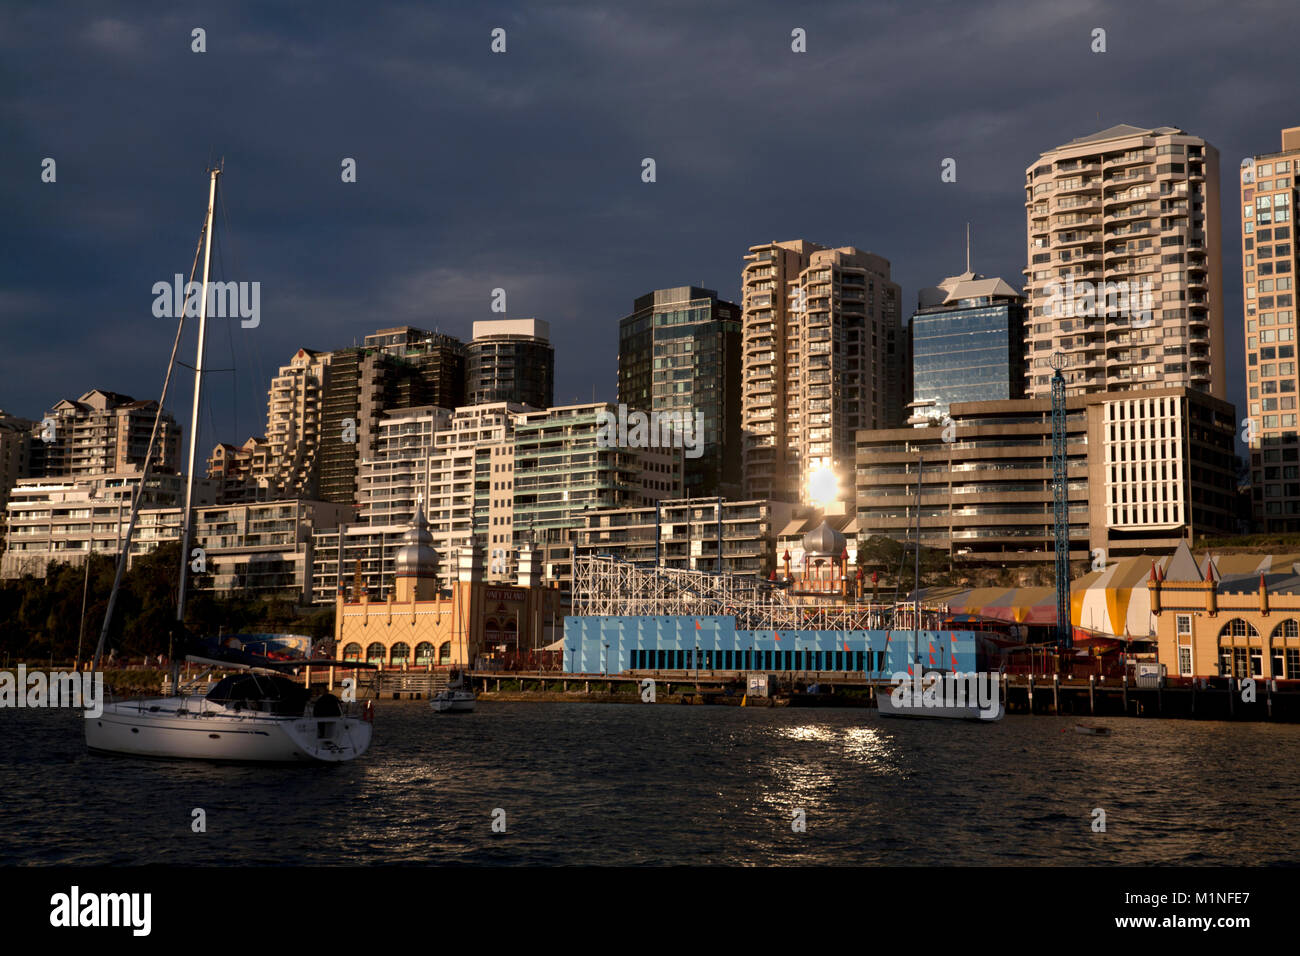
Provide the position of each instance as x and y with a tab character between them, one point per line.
968	343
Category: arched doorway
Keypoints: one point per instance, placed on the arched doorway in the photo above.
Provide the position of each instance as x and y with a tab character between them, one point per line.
444	653
400	654
423	654
375	653
352	652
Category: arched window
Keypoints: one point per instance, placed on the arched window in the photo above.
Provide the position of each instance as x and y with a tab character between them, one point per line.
1239	627
375	653
423	654
444	653
1288	628
400	654
1284	650
352	652
1238	657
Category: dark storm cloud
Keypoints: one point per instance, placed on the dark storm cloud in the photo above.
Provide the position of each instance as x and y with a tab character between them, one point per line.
523	170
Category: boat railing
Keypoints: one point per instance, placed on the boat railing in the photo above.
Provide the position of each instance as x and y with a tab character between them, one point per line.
251	710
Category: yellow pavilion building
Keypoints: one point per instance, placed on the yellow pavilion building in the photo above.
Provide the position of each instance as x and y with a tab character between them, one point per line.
1237	616
470	623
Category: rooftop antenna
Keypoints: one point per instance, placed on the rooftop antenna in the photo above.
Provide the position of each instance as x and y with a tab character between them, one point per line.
968	247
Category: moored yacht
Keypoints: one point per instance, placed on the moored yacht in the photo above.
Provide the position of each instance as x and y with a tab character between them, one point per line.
255	714
455	698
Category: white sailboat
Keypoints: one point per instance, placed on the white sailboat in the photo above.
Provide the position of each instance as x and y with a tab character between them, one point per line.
910	701
255	714
455	698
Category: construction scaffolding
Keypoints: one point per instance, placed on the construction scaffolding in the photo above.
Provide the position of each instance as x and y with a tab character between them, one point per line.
603	586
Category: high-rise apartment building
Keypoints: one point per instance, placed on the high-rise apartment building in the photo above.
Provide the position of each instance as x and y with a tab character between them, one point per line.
102	433
510	360
1270	265
434	365
561	470
293	428
65	519
1123	268
496	477
395	368
679	352
458	466
824	355
968	343
687	533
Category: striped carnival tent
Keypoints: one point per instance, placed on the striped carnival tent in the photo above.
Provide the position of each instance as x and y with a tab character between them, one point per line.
1115	602
1033	606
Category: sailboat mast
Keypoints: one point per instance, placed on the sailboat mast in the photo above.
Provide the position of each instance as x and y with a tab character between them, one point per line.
187	515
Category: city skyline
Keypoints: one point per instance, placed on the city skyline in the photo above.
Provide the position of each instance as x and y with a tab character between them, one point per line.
336	265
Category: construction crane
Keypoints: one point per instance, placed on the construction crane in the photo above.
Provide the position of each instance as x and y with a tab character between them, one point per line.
1061	506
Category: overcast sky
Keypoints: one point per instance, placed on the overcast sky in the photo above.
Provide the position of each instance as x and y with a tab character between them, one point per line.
522	170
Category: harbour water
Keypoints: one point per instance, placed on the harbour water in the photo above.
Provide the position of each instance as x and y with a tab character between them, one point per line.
639	784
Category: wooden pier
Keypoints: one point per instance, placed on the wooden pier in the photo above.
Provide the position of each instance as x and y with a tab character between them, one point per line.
1046	694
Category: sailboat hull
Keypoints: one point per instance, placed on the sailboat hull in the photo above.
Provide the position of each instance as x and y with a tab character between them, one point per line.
167	728
454	702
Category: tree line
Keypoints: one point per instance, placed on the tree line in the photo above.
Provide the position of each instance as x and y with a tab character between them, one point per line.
42	619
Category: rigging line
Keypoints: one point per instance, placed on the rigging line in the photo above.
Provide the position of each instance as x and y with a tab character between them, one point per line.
234	388
206	370
255	359
138	498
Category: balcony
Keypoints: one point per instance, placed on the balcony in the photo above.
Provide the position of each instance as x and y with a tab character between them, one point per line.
1071	167
1131	158
1087	186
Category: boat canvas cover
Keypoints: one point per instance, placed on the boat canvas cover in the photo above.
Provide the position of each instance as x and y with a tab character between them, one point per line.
282	696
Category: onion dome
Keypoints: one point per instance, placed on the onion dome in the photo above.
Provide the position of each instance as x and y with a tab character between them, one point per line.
823	540
416	557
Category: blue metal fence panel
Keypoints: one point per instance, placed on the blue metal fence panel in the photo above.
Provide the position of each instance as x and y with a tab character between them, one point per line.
593	644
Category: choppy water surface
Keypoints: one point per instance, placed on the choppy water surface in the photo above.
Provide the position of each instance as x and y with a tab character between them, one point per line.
640	784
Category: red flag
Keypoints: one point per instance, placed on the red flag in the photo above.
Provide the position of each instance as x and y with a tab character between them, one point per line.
697	625
954	661
846	645
909	669
777	634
